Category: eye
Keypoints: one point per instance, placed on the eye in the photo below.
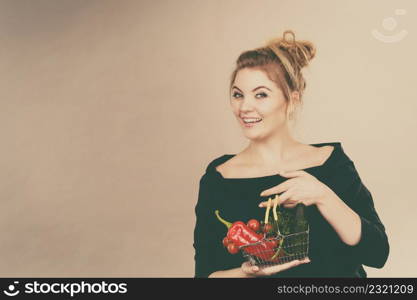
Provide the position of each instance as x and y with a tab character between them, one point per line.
236	95
262	94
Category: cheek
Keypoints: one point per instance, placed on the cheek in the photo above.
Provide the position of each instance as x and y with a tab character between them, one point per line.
235	107
273	109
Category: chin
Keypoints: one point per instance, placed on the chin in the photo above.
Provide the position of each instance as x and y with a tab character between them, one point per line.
254	136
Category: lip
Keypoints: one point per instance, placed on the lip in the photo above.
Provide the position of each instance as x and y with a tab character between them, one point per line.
249	125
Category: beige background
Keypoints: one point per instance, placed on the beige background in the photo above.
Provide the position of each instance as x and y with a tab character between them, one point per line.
111	110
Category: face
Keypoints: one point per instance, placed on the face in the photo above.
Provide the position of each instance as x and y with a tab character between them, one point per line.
255	98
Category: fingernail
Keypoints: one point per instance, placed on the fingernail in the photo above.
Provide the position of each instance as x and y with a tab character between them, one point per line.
255	269
262	194
260	205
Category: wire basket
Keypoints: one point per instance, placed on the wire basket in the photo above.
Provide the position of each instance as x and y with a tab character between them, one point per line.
289	247
290	239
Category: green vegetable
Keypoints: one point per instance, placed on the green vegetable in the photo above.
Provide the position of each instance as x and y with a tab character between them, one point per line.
291	223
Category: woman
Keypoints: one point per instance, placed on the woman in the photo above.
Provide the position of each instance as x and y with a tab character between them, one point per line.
345	231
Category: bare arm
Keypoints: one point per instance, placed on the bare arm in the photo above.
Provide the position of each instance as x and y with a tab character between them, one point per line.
341	217
358	225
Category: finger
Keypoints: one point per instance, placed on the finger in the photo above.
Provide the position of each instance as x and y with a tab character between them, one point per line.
290	174
305	260
263	204
286	196
249	269
267	203
276	189
247	266
278	200
290	205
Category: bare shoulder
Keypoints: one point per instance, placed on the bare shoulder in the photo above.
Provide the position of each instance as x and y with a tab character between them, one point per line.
305	156
322	153
232	166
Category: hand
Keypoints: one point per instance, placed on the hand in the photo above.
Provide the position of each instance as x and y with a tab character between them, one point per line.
254	271
301	188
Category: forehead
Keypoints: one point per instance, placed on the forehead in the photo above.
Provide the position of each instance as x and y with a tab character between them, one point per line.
250	78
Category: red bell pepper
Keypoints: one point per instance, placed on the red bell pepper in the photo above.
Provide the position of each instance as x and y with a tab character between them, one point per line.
241	235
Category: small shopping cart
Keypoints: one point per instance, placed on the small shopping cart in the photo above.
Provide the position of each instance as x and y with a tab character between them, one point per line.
290	237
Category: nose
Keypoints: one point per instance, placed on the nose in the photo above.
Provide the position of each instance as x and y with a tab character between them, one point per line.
246	105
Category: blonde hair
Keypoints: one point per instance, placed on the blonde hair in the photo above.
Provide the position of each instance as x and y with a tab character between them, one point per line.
282	60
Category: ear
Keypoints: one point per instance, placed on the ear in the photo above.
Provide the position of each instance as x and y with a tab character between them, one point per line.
295	95
293	103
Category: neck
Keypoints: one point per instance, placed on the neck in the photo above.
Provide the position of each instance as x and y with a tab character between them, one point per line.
275	150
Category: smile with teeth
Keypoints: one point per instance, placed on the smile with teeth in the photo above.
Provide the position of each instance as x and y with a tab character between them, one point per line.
251	120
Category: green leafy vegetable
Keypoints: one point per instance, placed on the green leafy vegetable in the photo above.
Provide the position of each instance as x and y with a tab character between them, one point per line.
293	225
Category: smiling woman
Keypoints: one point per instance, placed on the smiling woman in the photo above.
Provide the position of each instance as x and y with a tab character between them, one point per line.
266	89
280	61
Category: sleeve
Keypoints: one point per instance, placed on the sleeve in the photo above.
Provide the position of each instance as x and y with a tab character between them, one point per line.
373	248
205	257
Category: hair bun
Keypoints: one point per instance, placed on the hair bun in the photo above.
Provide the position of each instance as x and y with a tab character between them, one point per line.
301	52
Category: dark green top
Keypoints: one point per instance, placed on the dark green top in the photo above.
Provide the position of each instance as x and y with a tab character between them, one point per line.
237	199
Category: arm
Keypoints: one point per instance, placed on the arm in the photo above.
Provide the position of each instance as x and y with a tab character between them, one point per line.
350	210
341	217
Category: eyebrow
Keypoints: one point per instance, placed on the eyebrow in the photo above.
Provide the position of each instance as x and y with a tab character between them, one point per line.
261	86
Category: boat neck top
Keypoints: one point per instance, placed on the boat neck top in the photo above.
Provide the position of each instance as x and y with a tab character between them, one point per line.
336	154
237	199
